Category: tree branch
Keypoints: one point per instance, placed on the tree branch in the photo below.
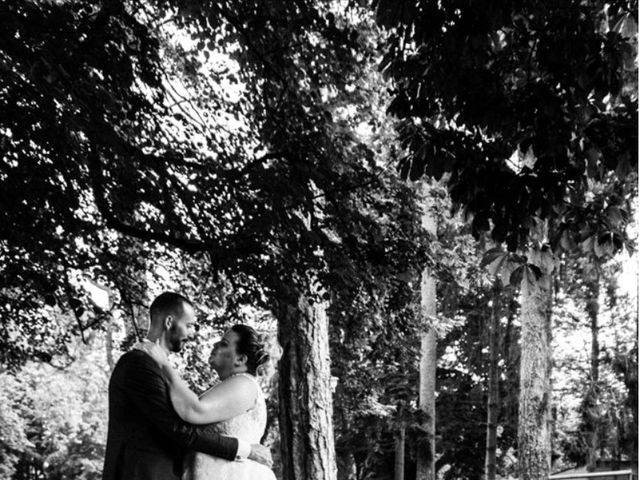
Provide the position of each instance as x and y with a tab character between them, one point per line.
112	221
241	244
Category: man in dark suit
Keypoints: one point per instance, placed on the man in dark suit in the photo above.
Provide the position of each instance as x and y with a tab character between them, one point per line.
147	440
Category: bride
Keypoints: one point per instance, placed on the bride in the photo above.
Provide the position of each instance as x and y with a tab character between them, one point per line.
236	405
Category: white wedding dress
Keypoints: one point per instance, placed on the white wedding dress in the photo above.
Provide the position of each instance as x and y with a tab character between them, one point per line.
248	426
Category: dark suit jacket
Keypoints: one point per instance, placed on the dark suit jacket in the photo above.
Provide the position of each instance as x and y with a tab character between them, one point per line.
147	439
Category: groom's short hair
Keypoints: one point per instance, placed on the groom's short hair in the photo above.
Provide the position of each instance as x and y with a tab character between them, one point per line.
167	303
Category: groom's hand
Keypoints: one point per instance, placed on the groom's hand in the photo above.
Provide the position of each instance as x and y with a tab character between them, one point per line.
261	454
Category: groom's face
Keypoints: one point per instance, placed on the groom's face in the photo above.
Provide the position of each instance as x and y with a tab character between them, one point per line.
181	329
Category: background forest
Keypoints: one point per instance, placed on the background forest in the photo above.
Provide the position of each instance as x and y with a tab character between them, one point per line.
426	207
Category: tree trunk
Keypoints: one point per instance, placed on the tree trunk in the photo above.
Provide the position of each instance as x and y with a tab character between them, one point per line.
426	448
593	308
399	463
534	439
425	468
493	390
306	425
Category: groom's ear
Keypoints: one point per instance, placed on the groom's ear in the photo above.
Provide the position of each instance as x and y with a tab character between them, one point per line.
168	322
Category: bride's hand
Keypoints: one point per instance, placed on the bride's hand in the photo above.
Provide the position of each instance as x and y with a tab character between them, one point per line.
154	351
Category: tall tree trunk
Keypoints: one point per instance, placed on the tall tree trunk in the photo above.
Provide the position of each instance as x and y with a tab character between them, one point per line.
631	382
493	390
426	454
306	424
593	308
534	439
399	460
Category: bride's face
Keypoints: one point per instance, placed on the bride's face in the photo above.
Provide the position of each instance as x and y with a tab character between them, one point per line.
224	356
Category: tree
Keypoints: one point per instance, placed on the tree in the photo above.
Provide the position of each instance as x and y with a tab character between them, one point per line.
426	457
594	418
136	164
70	92
476	402
493	388
584	235
480	85
57	418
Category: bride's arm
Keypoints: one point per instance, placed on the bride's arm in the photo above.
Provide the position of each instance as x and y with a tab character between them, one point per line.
226	400
232	397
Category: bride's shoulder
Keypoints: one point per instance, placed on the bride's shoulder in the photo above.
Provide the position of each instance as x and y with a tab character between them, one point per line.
241	386
244	381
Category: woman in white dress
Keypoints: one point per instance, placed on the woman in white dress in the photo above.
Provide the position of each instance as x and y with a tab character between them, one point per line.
236	404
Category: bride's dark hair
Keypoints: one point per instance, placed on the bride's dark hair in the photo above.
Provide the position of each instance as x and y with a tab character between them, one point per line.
249	344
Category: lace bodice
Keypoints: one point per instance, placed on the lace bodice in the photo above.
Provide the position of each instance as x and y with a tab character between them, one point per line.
248	426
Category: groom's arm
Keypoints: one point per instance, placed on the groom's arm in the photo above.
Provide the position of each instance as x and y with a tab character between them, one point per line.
145	387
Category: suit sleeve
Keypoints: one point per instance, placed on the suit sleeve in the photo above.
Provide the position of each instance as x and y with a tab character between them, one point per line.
144	386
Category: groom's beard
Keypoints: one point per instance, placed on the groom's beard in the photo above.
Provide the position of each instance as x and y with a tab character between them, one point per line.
176	342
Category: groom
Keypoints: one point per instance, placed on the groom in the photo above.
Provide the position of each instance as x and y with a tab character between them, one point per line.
147	439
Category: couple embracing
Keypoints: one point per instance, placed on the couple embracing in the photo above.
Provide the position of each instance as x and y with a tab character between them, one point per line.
160	430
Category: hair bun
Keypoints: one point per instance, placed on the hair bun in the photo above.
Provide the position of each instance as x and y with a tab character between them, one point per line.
262	357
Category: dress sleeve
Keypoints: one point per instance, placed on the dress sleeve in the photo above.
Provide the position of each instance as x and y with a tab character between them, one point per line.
144	386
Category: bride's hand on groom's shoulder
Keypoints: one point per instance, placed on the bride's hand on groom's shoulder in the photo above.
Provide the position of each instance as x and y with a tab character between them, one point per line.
154	351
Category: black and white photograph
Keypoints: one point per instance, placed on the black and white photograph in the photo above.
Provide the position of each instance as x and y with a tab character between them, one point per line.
319	240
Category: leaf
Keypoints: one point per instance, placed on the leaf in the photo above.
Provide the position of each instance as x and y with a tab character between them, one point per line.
417	169
566	241
491	255
547	261
516	276
495	267
404	166
614	215
617	241
528	158
399	106
535	256
587	245
598	249
533	269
